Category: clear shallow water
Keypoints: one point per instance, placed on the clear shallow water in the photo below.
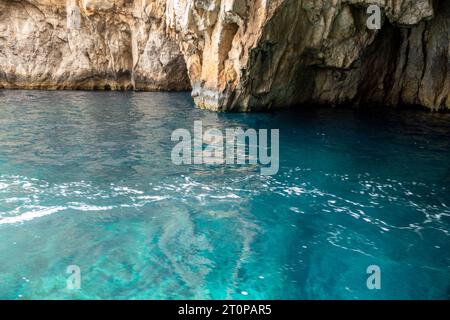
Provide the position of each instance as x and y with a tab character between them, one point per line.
86	179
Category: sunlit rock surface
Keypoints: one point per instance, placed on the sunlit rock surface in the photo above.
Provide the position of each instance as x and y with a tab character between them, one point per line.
118	45
237	55
258	54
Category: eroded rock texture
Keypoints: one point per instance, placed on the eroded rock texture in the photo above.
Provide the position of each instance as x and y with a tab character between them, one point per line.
88	44
246	55
240	55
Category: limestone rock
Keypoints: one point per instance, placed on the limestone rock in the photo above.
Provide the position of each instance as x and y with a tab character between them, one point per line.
247	55
88	44
237	55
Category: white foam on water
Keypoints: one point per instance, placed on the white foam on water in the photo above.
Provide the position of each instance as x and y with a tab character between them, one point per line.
87	207
153	198
228	196
30	215
126	190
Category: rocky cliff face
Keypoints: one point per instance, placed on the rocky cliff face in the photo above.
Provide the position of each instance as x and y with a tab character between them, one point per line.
239	55
258	54
88	44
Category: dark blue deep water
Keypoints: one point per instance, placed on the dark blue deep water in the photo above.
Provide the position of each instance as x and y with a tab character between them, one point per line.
86	179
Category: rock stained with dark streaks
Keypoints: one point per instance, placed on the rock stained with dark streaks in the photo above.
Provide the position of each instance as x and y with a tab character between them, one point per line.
236	55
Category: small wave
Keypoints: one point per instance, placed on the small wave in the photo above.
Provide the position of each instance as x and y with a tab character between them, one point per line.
126	191
228	196
87	208
30	215
153	198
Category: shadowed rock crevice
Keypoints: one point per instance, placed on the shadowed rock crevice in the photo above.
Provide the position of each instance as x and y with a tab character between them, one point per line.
236	55
287	53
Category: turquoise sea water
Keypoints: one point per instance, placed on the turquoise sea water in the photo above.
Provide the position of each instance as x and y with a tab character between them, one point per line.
86	179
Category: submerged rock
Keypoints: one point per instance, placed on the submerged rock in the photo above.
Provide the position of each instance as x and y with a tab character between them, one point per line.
238	55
